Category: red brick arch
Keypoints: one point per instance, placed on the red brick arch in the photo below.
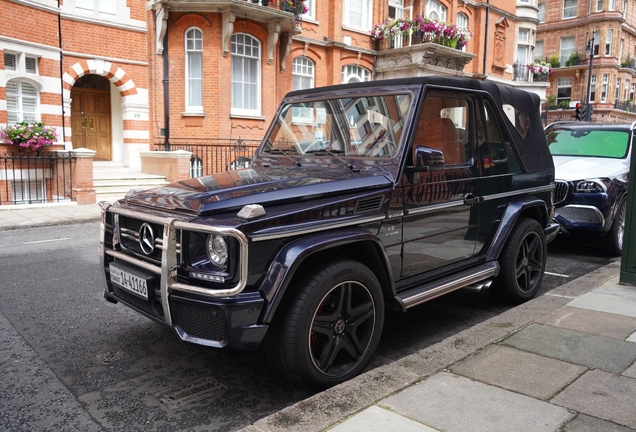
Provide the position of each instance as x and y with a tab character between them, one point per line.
110	71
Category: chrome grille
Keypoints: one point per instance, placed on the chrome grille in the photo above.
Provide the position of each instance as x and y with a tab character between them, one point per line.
561	189
129	237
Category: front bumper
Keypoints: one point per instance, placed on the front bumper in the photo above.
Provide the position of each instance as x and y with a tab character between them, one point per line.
551	231
575	217
223	317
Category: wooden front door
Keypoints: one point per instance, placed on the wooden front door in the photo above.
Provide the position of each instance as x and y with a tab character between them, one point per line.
90	119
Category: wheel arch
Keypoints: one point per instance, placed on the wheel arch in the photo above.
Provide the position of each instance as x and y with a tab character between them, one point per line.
531	207
293	263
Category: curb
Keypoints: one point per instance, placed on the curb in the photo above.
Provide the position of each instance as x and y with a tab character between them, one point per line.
336	404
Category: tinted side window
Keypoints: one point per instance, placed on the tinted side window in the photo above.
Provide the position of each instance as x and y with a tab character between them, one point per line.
495	153
444	125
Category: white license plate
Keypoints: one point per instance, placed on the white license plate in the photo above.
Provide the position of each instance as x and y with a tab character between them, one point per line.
130	282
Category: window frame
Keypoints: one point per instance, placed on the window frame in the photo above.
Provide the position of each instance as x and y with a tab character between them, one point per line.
593	88
609	36
311	10
569	9
570	50
365	14
560	86
541	13
190	108
439	8
240	110
604	86
19	101
354	72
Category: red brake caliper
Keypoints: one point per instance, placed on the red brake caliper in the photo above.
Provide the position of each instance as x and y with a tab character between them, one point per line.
314	336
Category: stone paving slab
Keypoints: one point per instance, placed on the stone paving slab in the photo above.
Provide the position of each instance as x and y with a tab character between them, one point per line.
585	423
631	371
603	395
632	338
589	321
519	371
376	419
610	298
596	352
456	404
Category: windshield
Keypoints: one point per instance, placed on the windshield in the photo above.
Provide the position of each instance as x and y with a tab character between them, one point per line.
590	143
367	126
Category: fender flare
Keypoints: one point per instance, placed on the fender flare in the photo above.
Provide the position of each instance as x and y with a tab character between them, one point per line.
509	219
293	254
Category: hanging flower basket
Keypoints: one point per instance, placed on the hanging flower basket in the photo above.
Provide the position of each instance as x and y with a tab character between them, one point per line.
27	136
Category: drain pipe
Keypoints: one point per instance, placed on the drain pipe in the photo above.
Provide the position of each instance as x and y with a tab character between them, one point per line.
486	35
59	33
166	94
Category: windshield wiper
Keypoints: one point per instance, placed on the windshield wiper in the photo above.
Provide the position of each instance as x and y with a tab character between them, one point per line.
333	154
274	149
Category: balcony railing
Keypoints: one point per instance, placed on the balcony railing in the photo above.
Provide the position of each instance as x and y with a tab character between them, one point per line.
218	156
29	178
623	105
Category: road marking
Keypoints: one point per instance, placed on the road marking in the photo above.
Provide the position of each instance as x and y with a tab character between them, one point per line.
47	241
557	274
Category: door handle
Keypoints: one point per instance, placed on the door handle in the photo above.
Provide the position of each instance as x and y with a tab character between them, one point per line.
471	199
91	123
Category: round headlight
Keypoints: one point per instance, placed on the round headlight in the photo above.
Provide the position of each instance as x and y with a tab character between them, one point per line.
217	250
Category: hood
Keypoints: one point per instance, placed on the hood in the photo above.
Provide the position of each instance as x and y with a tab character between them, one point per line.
579	168
230	191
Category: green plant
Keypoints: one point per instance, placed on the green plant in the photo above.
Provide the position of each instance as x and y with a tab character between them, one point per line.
573	60
554	61
628	104
564	104
551	101
27	135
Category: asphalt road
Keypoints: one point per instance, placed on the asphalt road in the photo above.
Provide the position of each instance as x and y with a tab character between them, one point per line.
72	361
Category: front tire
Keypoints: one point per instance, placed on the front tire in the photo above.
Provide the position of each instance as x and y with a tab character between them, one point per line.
522	261
611	243
331	328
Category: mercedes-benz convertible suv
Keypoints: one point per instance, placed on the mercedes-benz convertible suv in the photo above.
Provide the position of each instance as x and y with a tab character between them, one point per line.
592	166
361	197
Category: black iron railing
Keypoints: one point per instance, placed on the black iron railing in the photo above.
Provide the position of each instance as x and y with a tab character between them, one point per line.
218	156
31	178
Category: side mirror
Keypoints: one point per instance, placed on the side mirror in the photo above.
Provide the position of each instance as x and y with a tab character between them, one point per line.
428	158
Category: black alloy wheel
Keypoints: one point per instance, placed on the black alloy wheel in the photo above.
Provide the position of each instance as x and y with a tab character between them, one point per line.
523	261
331	328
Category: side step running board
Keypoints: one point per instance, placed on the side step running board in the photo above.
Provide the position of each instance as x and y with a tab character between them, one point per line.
467	279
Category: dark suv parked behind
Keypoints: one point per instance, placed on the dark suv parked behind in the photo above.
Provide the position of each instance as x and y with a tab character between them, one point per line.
360	197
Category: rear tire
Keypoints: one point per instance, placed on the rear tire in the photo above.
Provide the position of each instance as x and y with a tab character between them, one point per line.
522	261
611	243
330	329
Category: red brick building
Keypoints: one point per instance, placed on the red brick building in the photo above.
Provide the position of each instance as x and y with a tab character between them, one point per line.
567	28
81	67
123	76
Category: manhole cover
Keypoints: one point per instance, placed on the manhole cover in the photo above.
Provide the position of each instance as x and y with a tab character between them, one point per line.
190	393
111	356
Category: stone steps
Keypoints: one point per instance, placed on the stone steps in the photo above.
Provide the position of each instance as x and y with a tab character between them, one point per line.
112	180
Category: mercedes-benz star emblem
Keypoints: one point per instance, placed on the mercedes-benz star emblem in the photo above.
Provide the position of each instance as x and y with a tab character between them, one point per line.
146	239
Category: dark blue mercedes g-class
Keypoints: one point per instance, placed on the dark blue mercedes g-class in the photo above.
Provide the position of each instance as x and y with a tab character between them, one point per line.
360	197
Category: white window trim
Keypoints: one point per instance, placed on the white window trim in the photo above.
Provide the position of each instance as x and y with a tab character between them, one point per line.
599	5
604	87
311	10
20	99
441	10
192	108
540	13
573	38
609	36
366	16
249	113
355	68
575	8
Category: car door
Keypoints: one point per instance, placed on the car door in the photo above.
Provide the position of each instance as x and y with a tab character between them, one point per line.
439	228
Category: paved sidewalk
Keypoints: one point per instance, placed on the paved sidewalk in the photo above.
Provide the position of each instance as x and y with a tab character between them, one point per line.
24	216
564	361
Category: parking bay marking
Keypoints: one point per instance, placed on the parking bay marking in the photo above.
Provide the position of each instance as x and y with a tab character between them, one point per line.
47	241
557	274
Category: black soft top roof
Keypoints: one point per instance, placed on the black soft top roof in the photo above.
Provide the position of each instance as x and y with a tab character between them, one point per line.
532	149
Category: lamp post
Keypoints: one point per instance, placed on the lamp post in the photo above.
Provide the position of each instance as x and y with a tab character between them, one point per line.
589	49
